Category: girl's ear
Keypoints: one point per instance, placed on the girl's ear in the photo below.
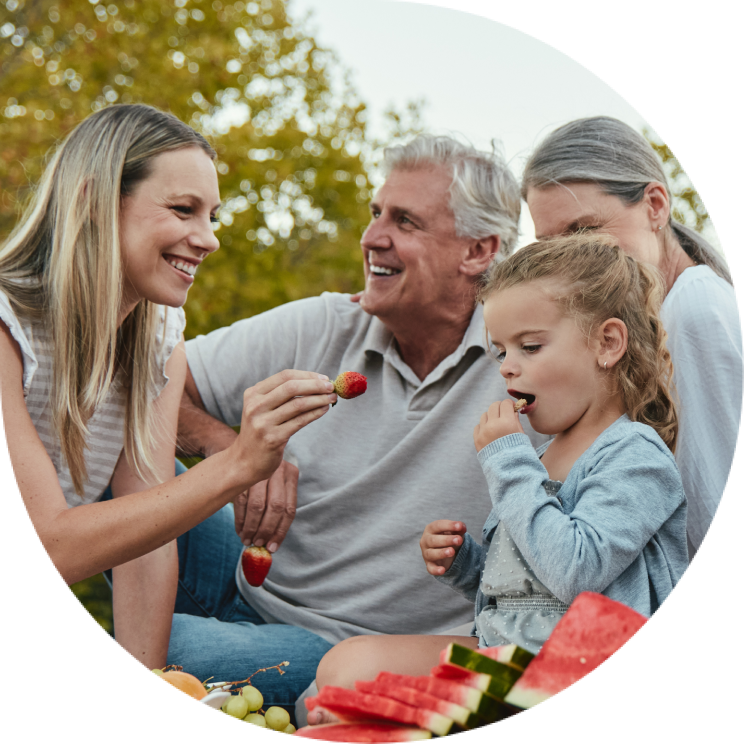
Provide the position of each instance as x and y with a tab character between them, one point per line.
612	342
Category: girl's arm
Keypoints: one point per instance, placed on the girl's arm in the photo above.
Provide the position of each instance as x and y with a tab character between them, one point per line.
94	537
630	490
145	588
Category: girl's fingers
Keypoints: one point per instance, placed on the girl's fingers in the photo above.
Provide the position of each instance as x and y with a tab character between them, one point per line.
438	554
443	541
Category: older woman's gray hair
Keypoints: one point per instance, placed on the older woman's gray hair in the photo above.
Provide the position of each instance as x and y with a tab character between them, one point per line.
484	195
609	153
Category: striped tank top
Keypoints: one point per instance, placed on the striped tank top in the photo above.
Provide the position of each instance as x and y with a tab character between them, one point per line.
105	440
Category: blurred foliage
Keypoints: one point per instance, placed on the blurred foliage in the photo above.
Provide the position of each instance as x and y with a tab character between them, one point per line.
687	206
95	594
289	130
294	155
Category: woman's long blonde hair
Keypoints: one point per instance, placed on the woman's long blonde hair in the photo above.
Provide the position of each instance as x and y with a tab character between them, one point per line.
598	281
61	266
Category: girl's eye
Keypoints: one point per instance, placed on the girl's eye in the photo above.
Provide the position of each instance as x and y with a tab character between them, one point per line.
500	356
531	348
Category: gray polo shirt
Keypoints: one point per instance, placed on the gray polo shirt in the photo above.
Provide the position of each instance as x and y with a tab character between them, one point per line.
374	471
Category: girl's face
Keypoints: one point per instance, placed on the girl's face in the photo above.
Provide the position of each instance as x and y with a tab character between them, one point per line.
166	228
545	358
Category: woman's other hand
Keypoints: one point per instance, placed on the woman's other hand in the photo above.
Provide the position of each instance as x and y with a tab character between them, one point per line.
439	545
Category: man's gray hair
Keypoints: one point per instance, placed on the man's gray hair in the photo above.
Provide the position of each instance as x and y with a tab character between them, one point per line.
484	195
611	154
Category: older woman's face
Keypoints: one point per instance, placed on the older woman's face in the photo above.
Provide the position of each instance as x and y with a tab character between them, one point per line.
562	209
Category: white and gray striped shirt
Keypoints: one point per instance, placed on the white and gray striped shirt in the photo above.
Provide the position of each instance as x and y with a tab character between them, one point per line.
105	439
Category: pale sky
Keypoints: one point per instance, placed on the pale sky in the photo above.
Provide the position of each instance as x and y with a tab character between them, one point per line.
479	78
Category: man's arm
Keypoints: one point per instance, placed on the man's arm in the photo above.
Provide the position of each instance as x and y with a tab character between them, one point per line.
199	434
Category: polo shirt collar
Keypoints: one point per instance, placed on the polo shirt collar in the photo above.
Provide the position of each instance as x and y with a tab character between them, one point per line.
379	339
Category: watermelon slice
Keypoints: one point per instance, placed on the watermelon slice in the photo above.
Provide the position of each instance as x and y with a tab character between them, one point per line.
418	699
351	705
483	682
362	731
593	628
511	654
485	706
504	674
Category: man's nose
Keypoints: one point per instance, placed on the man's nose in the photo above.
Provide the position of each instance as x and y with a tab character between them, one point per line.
377	236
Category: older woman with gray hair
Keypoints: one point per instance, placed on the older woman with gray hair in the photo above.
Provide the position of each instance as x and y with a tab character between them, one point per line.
600	174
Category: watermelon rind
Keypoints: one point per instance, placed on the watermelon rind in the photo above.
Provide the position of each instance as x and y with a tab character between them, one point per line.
487	707
504	674
592	629
363	731
351	705
477	680
510	654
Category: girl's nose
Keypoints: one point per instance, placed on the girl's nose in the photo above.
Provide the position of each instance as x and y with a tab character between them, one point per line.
508	367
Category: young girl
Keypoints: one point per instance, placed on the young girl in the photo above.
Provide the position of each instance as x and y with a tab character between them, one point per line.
601	507
92	364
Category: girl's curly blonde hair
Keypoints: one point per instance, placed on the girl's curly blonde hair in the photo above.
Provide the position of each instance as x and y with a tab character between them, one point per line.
599	281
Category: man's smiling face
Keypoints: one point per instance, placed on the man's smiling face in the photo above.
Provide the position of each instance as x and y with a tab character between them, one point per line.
411	252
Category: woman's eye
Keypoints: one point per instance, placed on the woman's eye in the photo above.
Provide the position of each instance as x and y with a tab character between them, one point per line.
214	219
182	209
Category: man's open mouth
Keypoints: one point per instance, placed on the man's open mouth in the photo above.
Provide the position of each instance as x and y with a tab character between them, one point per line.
382	270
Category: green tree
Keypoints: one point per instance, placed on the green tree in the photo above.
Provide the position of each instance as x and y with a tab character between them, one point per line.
291	143
289	130
687	206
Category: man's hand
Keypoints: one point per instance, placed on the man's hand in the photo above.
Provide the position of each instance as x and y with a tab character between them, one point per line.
439	545
264	513
499	420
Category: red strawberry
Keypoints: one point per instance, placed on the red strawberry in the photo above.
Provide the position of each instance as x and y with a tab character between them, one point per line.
256	563
350	385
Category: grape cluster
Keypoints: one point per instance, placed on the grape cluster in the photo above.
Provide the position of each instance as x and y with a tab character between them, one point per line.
246	706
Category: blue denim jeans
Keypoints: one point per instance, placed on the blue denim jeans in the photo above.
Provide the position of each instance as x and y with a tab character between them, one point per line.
217	634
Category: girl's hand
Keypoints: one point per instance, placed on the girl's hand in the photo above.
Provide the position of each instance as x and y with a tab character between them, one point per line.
499	420
274	410
439	545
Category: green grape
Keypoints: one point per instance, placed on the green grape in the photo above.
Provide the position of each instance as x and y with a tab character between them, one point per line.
289	730
256	718
236	706
276	718
253	697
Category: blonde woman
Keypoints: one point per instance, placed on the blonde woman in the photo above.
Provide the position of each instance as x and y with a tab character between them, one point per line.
92	364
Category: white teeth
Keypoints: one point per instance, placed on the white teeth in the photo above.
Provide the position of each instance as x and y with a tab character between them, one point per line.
382	270
185	267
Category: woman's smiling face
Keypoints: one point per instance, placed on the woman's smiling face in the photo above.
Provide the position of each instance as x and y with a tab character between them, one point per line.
545	357
166	228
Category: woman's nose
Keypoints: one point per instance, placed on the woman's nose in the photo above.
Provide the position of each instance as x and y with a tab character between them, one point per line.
205	238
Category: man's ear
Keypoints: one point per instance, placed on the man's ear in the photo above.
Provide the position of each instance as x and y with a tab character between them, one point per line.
479	255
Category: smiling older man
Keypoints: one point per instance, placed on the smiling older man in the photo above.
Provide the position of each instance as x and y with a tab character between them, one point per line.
375	470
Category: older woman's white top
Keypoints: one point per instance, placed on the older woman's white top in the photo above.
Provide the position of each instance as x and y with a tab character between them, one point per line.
702	320
105	439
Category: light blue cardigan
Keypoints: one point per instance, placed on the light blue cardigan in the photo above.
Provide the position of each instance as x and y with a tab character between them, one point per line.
617	526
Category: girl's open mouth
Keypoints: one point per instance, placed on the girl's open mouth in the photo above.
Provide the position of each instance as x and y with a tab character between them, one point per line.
519	395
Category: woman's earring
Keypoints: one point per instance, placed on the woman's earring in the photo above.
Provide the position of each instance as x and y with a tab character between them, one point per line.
605	366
